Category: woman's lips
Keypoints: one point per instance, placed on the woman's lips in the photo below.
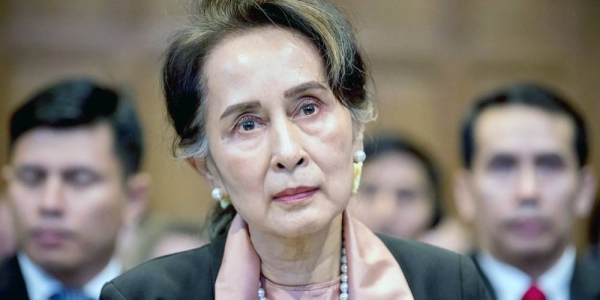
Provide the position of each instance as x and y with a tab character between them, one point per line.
295	195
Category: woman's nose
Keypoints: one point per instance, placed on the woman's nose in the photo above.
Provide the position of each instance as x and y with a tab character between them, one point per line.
287	151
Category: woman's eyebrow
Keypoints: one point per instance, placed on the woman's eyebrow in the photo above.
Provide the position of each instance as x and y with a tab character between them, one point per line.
302	88
240	107
287	94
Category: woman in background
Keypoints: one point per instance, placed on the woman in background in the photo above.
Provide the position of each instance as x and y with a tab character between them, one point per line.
159	235
401	195
170	237
269	101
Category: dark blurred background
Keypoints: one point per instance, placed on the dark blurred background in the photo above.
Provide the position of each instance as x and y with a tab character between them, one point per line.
430	59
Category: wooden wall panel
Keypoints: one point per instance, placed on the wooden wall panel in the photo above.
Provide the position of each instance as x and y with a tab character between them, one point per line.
34	71
430	59
524	30
5	77
405	99
82	11
388	28
176	188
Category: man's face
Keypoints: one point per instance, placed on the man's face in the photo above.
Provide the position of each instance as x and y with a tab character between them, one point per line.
67	193
526	182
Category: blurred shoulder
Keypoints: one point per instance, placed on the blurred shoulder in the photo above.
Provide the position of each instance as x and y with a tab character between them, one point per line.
435	273
584	283
12	283
418	252
177	276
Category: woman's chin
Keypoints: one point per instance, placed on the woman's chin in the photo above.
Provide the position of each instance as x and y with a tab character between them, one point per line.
298	225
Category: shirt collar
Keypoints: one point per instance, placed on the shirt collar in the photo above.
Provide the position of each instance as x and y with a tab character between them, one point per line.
557	279
509	282
41	285
94	286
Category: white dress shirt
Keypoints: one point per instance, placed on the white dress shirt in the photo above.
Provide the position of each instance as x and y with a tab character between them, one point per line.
40	285
510	283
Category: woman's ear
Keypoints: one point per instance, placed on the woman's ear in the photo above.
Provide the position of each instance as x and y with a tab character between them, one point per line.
205	167
359	138
198	164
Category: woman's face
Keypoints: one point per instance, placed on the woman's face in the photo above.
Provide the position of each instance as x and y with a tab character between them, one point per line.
281	144
395	196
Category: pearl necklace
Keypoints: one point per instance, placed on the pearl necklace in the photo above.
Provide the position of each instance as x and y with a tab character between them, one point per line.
343	278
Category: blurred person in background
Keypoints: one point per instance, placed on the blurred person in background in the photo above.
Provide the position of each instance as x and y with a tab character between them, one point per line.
160	236
401	195
7	235
526	180
73	182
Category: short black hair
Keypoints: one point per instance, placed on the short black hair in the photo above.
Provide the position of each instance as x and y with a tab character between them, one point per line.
82	102
528	94
385	143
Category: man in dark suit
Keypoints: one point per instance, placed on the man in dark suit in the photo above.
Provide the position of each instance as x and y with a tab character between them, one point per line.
73	181
526	181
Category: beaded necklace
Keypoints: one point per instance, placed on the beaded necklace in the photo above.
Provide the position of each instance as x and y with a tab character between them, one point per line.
343	278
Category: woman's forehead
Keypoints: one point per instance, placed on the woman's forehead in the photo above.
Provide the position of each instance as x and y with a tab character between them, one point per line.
265	47
261	62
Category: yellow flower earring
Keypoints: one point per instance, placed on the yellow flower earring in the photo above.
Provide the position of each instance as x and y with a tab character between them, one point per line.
220	196
359	157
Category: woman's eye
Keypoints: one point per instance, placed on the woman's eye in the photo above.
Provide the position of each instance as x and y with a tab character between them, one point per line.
248	125
309	109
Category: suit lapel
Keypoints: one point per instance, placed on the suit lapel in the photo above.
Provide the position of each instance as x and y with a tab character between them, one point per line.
12	284
585	284
486	281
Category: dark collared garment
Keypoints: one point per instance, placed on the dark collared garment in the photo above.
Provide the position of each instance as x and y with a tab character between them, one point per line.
12	284
585	284
431	273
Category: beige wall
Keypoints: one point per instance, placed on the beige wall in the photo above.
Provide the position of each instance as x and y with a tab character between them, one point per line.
429	58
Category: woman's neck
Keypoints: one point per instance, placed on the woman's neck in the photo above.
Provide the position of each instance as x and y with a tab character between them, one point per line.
310	259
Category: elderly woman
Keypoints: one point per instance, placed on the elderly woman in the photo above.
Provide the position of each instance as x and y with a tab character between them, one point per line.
268	99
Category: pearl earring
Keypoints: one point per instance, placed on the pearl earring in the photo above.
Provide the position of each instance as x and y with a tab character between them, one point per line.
359	157
220	196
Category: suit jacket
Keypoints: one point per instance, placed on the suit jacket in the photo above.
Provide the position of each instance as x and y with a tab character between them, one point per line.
585	284
12	284
431	273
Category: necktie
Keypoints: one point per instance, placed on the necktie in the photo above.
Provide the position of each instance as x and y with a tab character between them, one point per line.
65	294
533	293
